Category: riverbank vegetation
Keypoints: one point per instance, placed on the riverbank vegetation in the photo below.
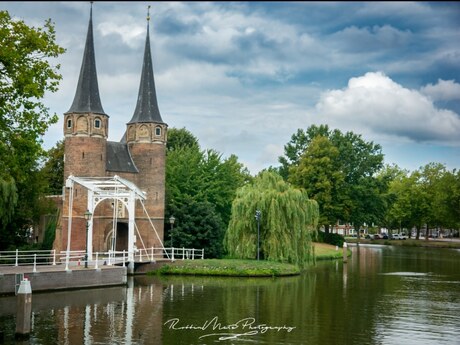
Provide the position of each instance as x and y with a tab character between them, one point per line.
411	243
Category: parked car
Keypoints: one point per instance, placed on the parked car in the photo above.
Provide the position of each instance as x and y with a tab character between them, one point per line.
377	237
395	237
384	236
402	236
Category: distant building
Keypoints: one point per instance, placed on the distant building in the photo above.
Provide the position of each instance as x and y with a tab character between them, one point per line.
139	158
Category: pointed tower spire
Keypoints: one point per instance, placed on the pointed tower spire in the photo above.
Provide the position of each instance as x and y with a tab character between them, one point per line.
87	98
147	106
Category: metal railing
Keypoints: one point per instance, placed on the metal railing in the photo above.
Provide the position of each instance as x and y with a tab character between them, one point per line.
153	254
77	257
28	258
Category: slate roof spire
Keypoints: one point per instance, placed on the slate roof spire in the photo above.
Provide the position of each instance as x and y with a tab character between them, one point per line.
87	98
147	106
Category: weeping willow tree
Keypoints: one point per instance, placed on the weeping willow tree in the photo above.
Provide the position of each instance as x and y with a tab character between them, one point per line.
8	199
288	220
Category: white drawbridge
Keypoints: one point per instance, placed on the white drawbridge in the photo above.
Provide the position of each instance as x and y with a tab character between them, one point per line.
114	188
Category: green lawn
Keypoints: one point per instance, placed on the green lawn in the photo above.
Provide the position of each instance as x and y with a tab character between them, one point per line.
325	251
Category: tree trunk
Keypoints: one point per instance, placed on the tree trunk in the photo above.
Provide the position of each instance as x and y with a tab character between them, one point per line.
326	228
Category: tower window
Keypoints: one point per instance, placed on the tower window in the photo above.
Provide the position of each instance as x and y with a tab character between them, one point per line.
97	123
158	131
69	123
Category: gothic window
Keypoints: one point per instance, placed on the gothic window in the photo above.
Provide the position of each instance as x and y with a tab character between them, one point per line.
158	131
69	123
97	123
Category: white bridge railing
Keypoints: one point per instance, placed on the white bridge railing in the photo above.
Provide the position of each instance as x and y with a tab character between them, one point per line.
77	257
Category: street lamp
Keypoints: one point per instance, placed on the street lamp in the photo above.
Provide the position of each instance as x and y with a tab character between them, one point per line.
88	218
258	233
171	221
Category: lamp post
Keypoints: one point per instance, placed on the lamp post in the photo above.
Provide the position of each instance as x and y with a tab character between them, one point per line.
258	233
171	221
88	218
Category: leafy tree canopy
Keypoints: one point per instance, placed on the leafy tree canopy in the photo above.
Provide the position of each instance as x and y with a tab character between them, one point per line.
200	177
25	75
198	226
181	138
53	169
339	171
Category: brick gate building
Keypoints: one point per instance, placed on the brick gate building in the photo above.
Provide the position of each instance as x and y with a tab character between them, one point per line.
139	158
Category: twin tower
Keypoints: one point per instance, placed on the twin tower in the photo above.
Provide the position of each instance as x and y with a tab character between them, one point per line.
139	158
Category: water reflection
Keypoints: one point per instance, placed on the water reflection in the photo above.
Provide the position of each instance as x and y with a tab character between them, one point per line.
383	295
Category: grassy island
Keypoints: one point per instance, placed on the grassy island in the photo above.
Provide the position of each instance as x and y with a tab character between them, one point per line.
243	268
230	268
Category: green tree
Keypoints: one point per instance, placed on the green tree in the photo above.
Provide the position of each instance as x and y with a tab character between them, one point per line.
288	221
410	207
297	146
395	214
204	177
358	192
360	162
25	75
317	173
181	138
197	225
53	169
430	180
448	200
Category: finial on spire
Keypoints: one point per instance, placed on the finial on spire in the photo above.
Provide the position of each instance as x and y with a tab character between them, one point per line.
148	13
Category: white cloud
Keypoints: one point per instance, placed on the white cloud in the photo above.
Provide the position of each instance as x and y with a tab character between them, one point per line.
371	39
444	90
376	105
130	33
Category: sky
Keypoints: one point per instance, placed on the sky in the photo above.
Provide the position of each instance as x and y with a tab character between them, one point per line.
243	77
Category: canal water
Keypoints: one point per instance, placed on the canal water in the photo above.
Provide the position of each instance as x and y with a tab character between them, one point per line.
383	295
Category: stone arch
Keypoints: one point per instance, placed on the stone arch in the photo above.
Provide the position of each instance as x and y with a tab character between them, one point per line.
82	124
144	132
131	133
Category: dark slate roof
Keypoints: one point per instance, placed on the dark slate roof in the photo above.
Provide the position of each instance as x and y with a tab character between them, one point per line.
147	105
87	98
119	159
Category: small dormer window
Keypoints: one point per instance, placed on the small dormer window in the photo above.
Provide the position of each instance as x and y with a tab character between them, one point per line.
69	123
158	131
97	123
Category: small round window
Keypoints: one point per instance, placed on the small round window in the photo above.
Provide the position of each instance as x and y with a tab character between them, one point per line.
97	123
158	131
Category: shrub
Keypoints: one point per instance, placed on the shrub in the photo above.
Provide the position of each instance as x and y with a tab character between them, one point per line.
334	239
